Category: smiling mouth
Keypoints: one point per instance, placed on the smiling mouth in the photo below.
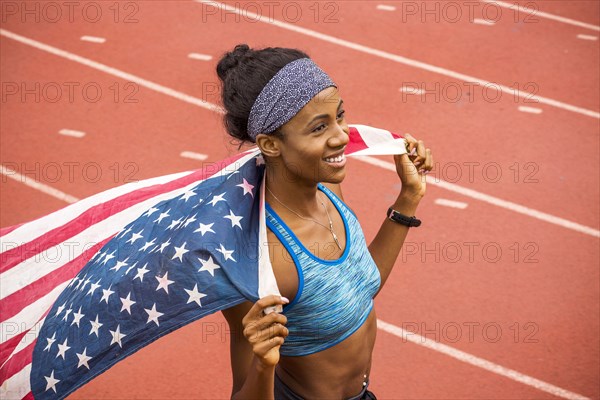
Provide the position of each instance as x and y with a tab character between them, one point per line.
336	160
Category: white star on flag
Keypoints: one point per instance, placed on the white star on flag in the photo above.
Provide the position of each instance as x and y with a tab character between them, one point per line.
51	382
83	358
62	349
95	326
174	223
151	211
127	303
108	257
119	264
247	187
76	317
93	287
162	216
60	309
141	272
208	265
187	195
87	280
195	295
148	244
163	282
67	314
189	221
226	253
135	236
50	342
180	251
164	245
204	228
117	336
217	199
106	294
153	314
235	219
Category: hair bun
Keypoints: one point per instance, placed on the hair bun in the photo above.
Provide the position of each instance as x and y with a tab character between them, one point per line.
231	60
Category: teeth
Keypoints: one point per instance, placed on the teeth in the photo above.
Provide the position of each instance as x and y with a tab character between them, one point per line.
336	159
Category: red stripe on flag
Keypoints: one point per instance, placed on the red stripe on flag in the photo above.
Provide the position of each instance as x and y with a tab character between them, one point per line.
17	362
13	304
98	213
7	347
356	142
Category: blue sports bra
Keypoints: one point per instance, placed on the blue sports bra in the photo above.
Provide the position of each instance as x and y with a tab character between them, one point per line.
334	297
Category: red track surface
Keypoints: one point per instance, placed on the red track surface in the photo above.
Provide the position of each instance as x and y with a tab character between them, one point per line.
558	293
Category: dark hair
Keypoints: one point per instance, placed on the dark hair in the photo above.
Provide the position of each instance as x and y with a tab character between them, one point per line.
244	72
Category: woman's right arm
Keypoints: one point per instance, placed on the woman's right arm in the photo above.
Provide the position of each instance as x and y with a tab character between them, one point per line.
255	342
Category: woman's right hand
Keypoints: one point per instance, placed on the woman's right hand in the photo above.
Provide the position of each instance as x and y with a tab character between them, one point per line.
266	333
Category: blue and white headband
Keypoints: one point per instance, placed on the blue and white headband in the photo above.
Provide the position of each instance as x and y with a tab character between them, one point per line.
285	94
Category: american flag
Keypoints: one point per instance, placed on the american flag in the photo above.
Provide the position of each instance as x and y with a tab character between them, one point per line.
86	286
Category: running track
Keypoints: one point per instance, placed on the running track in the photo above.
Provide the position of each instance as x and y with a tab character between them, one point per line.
544	297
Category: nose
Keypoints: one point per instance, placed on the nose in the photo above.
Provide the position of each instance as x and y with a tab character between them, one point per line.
340	137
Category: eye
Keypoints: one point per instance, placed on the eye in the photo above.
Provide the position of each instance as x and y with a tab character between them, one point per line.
319	128
341	114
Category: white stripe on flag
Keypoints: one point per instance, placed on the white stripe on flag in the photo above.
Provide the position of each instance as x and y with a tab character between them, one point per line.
41	264
29	338
379	142
17	386
30	315
34	229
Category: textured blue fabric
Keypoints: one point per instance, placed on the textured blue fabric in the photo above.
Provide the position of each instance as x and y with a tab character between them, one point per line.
285	94
334	297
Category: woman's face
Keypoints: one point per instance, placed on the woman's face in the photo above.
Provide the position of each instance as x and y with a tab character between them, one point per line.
315	138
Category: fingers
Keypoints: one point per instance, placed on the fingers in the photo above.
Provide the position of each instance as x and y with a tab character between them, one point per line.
420	155
264	323
256	312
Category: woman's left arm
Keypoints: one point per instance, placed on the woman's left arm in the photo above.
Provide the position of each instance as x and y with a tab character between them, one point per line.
411	169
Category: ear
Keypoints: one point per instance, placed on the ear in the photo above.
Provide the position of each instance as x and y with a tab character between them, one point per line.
268	145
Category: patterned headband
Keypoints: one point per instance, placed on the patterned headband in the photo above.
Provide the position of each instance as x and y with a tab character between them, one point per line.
285	95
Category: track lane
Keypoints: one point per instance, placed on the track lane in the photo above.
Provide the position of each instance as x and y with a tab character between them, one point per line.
352	203
449	140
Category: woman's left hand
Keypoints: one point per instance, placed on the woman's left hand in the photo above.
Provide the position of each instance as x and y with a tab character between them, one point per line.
413	167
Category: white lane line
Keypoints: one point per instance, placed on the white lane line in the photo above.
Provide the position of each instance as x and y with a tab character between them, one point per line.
587	37
481	21
401	59
193	156
383	7
532	13
371	160
531	110
198	56
508	205
71	132
411	90
112	71
477	361
451	203
42	187
93	39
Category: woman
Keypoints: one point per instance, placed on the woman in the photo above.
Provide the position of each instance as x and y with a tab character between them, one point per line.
320	345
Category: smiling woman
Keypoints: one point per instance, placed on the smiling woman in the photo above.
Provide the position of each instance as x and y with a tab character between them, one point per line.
320	344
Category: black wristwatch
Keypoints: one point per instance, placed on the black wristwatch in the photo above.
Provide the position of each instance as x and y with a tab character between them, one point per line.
403	219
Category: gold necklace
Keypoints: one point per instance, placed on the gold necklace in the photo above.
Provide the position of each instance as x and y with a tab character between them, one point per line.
313	220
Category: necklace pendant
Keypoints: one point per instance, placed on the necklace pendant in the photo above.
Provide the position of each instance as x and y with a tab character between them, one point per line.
336	240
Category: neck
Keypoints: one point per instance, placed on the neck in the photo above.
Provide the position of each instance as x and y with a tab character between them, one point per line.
297	194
